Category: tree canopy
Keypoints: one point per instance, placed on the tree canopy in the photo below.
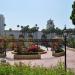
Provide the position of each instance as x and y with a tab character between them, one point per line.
72	17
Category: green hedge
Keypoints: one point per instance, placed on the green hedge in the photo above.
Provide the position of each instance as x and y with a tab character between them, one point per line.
71	42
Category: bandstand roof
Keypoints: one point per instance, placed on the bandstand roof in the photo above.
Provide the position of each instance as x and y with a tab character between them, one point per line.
57	39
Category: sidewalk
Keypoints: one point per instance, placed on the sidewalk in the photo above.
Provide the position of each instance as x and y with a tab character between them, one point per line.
72	49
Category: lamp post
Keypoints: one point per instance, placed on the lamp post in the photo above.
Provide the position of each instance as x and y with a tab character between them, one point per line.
65	41
5	31
5	40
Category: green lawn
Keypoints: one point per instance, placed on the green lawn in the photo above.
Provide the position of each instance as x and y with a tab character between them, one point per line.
21	69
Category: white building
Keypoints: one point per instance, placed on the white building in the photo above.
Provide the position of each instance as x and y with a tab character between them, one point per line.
16	33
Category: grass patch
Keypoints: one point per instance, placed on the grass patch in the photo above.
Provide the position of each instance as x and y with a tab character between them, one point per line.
21	69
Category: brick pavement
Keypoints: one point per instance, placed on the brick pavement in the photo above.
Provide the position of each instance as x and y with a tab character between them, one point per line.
47	60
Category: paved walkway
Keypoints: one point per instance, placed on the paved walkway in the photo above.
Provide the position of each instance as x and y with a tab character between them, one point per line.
47	60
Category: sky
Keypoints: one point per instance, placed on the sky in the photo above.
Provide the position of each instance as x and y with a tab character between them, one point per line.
31	12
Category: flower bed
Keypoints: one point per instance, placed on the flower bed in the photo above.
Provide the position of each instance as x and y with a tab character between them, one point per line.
30	52
58	54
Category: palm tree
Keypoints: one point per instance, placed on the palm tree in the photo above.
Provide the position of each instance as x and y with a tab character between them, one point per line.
25	29
36	26
4	27
30	31
18	25
10	29
36	30
58	31
21	28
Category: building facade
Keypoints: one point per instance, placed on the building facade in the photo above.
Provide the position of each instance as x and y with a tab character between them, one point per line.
2	22
16	33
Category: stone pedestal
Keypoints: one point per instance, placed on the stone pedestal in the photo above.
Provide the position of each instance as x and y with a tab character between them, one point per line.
35	56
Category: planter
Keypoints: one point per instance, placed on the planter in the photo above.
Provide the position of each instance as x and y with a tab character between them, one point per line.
58	54
36	52
35	56
42	52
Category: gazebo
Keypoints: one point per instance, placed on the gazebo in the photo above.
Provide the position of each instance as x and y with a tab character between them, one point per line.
56	46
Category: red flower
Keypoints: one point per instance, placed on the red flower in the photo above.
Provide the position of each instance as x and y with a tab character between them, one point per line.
33	48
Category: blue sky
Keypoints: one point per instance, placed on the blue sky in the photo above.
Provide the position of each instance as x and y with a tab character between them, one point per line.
31	12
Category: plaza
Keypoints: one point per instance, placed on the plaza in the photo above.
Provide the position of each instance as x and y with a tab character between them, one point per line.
37	37
47	60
